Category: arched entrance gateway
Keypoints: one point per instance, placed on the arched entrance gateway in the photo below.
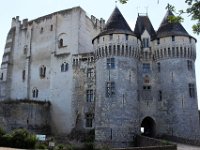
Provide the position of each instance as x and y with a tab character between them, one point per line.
148	127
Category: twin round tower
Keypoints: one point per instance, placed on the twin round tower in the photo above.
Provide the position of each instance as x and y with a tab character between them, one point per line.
145	80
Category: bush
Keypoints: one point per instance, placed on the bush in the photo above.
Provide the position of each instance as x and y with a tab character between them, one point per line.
41	146
70	147
60	147
2	132
6	140
19	138
89	146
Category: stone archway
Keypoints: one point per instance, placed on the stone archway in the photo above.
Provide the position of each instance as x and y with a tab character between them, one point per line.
148	127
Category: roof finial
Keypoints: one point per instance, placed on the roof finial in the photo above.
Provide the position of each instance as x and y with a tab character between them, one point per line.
147	10
116	3
137	9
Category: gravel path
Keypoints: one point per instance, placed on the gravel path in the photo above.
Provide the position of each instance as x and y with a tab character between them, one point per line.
180	147
187	147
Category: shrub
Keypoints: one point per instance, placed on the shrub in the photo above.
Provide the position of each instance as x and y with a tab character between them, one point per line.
41	146
6	140
60	147
89	146
70	147
19	138
2	132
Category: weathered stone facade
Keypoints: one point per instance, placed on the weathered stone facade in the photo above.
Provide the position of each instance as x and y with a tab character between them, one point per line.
104	76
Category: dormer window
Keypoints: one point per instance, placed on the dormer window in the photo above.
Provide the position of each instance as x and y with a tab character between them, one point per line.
145	42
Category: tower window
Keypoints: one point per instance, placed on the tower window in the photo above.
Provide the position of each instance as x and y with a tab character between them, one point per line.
146	67
173	38
126	37
1	76
61	43
25	49
110	89
160	95
191	90
89	120
189	64
64	67
146	79
89	72
158	65
51	28
42	71
35	92
89	95
110	63
23	75
158	41
145	42
148	87
41	30
111	36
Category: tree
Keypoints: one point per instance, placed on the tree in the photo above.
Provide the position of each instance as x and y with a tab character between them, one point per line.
123	1
193	10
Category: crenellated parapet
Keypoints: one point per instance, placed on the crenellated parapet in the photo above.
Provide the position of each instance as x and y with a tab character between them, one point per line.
117	45
175	51
124	50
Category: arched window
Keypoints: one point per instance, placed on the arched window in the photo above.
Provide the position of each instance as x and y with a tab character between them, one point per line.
61	43
64	67
42	71
35	93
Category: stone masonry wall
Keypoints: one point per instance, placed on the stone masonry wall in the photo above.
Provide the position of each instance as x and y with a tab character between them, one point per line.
32	115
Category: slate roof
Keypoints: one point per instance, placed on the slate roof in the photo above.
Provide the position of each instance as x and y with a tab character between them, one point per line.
116	24
168	29
143	23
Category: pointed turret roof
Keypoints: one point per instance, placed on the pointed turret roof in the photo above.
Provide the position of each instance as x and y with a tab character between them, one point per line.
168	29
116	24
143	23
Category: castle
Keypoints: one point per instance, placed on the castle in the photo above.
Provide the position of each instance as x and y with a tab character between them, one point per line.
104	76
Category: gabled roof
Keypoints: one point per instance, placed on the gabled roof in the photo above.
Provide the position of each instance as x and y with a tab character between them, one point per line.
143	23
116	24
168	29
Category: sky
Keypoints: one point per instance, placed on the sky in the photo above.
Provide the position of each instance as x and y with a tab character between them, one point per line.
33	9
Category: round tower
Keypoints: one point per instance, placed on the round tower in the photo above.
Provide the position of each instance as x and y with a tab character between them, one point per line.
174	55
116	109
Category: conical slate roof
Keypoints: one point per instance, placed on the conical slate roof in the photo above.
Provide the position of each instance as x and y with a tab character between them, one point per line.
143	23
168	29
116	24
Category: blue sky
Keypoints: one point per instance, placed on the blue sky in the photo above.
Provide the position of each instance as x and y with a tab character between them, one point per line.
32	9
